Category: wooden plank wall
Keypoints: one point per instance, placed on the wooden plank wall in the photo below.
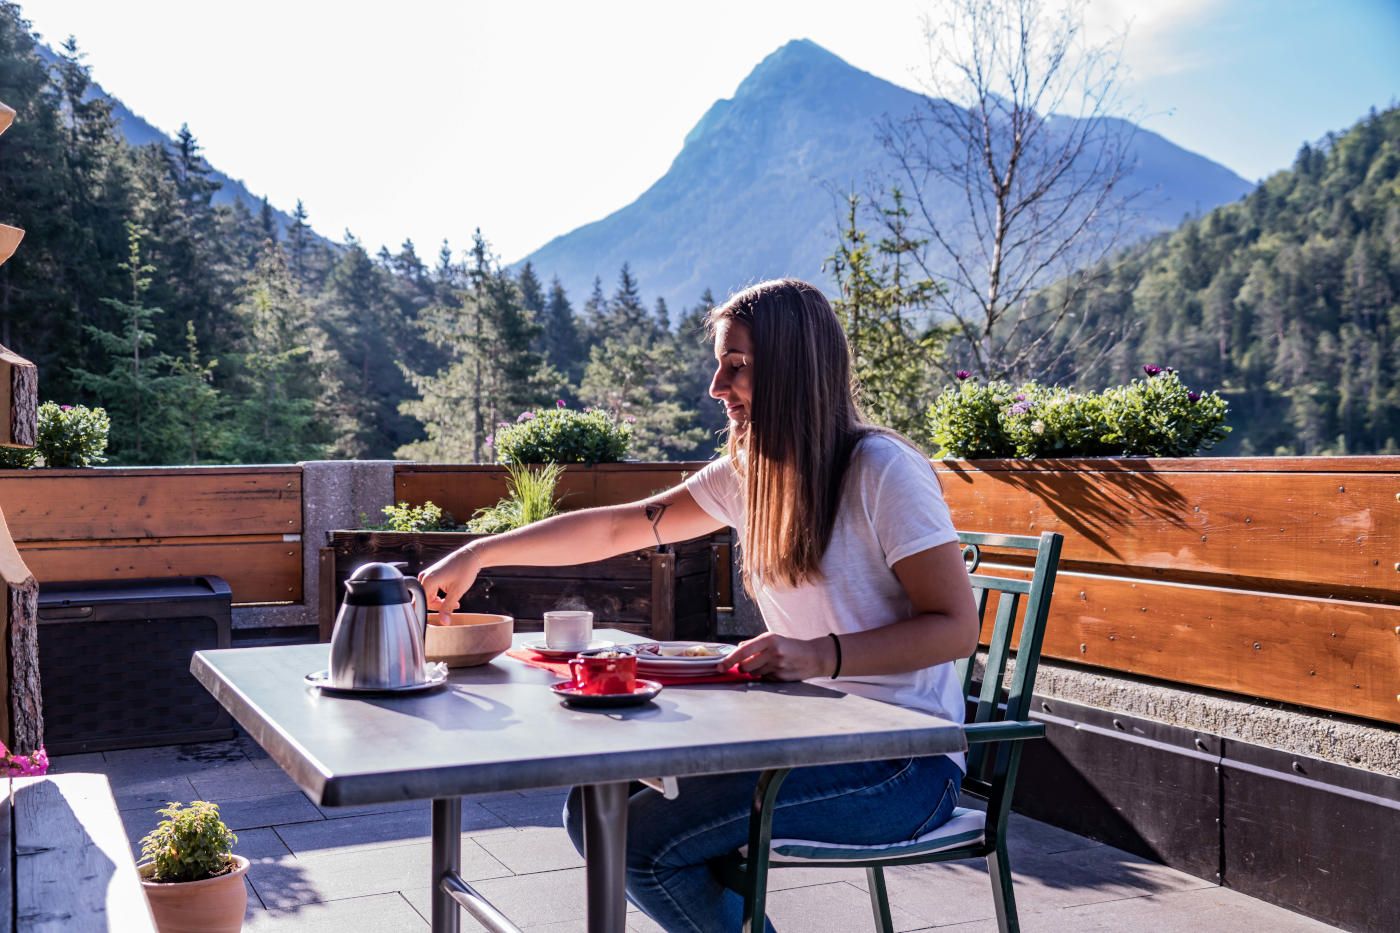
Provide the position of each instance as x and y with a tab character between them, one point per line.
1280	583
242	523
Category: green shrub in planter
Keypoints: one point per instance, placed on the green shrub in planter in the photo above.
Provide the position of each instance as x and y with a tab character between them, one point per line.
530	498
67	436
404	517
965	420
190	844
1160	417
562	435
1156	416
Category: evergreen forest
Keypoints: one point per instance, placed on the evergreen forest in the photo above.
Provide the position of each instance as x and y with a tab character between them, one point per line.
217	333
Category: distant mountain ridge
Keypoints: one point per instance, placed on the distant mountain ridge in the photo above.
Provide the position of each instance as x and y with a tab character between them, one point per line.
750	196
136	131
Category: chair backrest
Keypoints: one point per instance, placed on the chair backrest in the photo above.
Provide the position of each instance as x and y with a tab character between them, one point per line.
989	764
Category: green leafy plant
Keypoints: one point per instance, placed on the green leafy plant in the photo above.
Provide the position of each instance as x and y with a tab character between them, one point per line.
562	435
530	498
1157	416
67	436
190	844
405	517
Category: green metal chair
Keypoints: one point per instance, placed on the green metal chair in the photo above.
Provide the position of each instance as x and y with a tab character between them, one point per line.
994	734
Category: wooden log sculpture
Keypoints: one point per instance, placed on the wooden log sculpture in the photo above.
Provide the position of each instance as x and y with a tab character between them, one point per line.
21	714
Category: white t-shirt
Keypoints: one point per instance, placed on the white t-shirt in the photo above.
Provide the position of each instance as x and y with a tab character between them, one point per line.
891	507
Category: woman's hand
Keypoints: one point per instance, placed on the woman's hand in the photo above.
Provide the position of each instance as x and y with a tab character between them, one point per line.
778	657
453	576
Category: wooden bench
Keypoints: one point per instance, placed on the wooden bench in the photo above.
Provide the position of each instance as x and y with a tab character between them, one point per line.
66	864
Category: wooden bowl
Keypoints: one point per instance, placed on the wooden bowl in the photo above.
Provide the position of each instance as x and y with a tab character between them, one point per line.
473	638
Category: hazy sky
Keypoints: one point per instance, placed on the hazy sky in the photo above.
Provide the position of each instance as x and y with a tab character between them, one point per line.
425	119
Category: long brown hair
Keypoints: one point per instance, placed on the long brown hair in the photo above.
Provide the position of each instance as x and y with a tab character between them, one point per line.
803	426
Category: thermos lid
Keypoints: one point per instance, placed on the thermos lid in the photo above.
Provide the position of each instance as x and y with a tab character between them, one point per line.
376	584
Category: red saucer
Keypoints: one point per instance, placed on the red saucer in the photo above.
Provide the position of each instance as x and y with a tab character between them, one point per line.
642	692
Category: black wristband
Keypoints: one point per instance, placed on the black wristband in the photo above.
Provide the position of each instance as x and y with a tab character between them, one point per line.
837	642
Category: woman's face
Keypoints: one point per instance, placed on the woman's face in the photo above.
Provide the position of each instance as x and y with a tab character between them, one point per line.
733	380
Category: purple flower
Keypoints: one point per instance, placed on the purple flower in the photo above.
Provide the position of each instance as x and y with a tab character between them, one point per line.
963	374
1193	397
525	416
502	424
1152	370
66	407
1021	397
630	419
1168	369
559	403
490	440
1020	408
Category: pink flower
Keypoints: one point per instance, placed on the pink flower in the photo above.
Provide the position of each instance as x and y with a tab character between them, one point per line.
1151	370
630	419
65	407
490	439
525	416
963	374
559	403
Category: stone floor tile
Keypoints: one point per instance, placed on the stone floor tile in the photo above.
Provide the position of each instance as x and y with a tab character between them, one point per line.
381	913
172	760
153	794
835	907
529	900
532	850
256	844
1205	909
84	763
379	829
247	814
539	810
287	881
218	784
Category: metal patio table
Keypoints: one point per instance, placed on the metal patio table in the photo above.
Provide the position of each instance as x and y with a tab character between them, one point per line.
498	727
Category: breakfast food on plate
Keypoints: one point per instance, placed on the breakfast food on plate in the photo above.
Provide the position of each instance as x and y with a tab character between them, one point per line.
687	651
703	651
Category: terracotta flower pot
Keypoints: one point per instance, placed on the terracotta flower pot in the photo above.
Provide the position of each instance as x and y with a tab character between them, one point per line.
214	905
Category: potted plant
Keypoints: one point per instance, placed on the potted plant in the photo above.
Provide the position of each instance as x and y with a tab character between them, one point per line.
192	879
664	592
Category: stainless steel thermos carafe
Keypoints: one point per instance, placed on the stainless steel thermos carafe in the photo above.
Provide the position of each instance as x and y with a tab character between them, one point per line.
377	643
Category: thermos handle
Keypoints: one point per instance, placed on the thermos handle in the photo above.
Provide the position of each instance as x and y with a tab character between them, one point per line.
420	600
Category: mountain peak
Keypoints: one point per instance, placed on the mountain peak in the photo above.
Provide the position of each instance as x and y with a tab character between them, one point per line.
793	62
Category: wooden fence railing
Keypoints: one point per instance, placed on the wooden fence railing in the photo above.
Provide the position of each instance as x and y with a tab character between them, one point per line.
1276	578
241	523
1272	578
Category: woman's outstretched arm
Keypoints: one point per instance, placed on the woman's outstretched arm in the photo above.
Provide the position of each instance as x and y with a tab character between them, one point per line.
568	539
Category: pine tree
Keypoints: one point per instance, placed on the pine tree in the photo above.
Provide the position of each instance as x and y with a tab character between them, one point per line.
891	361
134	389
194	409
494	371
281	411
636	374
563	344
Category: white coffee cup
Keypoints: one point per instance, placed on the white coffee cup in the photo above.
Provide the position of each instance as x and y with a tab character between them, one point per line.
568	629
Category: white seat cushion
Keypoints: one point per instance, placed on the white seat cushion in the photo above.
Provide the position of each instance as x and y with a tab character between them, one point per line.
963	829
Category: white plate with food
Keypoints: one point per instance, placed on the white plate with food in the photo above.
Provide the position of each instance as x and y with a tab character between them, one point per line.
681	657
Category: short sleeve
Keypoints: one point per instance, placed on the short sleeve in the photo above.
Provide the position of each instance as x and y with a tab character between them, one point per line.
903	500
716	490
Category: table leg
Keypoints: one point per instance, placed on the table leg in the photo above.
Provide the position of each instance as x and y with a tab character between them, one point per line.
447	859
605	856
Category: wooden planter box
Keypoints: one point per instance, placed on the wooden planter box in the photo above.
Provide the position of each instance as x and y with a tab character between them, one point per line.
663	594
1271	577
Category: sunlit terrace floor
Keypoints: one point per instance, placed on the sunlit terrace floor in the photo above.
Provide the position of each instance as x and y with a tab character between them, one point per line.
366	869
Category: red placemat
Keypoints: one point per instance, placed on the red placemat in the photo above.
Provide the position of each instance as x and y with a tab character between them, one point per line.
561	669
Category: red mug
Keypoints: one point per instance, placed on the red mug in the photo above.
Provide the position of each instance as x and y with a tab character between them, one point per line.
604	670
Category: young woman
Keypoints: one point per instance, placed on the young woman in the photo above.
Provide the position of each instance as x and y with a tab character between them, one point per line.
848	551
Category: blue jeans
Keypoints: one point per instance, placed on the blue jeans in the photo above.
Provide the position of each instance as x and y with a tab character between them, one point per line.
671	842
